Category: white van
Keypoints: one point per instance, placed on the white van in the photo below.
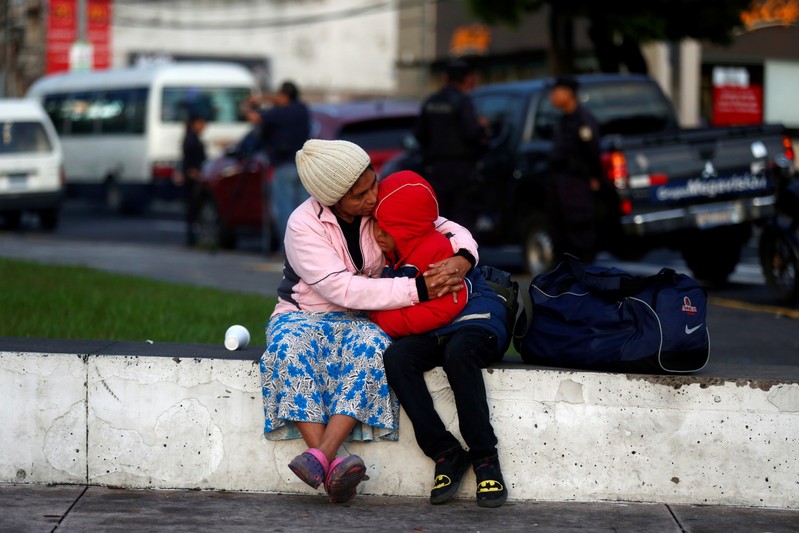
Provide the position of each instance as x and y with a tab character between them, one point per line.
31	164
122	129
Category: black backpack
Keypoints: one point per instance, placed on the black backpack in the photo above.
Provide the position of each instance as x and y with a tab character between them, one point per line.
518	306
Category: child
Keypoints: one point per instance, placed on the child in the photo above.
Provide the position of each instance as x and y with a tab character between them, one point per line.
463	334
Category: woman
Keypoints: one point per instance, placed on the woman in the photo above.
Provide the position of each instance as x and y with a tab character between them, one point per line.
322	371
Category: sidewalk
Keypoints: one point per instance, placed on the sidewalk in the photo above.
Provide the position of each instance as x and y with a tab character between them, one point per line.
63	508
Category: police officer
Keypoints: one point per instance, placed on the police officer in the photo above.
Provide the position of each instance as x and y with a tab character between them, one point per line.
193	151
452	139
575	174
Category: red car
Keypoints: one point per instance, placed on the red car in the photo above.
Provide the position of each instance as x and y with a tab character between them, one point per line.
233	200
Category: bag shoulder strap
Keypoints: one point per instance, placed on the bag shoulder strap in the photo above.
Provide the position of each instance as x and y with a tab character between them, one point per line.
615	282
523	320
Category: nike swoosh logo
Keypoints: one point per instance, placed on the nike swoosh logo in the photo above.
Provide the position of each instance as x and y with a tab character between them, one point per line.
688	330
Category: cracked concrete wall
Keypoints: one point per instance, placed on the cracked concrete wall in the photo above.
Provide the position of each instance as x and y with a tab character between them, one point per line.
42	418
196	423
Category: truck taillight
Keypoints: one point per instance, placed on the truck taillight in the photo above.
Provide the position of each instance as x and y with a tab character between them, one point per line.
788	145
62	175
163	170
615	166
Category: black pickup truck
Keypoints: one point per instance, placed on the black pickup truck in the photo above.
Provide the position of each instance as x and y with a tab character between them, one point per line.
694	190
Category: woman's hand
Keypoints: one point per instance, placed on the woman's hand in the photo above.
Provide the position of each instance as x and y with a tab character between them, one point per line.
446	276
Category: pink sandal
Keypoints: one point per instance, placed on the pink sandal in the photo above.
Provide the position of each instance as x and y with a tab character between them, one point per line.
311	466
344	475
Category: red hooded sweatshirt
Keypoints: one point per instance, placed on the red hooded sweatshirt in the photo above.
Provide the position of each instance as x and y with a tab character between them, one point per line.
407	209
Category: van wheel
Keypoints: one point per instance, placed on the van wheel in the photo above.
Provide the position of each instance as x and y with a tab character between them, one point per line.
713	254
538	254
12	220
48	218
207	230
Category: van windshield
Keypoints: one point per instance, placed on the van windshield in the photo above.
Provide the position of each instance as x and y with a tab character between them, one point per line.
215	104
23	138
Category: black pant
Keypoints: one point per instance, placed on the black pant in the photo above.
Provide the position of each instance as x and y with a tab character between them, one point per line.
570	211
193	197
462	355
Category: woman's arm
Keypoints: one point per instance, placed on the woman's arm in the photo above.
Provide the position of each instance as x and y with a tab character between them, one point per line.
313	257
444	277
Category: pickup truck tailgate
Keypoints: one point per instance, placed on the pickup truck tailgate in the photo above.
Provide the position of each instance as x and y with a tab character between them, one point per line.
696	178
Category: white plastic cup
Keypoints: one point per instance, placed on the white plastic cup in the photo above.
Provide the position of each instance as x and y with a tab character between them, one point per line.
236	337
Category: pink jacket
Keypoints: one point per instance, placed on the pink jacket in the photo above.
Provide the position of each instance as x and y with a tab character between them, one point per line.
319	275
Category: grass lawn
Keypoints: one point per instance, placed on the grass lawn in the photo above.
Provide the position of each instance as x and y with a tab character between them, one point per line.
68	302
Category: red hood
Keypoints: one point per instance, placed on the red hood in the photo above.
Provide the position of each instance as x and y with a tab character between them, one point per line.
407	209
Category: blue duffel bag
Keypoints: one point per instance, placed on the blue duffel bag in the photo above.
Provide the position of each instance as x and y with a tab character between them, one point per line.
586	316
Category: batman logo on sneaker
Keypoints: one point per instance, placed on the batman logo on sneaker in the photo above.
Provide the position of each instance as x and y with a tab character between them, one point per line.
491	489
450	468
442	481
489	485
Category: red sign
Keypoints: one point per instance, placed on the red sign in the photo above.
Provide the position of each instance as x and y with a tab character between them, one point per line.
98	29
736	106
62	31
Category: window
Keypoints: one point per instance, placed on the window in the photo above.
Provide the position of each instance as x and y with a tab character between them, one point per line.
216	104
504	113
79	112
54	107
120	111
23	138
378	134
620	108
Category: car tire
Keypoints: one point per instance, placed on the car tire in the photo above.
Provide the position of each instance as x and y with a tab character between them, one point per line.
208	231
48	218
713	254
780	264
12	220
537	247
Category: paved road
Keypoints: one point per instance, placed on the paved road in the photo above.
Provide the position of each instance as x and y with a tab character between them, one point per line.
746	327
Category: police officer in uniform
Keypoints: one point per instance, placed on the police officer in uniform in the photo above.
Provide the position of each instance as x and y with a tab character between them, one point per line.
576	170
452	139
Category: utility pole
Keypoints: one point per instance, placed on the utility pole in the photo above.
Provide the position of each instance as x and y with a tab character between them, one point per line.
81	53
7	45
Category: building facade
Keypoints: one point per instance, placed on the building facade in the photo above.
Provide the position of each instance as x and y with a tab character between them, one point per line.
333	49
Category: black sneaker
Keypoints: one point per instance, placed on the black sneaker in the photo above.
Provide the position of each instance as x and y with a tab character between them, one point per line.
491	489
450	468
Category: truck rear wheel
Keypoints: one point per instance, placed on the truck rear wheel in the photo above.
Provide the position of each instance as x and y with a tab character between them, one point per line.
780	264
538	254
713	254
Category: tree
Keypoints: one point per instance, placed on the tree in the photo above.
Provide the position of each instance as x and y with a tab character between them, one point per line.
619	27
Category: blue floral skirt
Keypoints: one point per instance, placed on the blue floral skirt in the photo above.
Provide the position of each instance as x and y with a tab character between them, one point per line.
321	364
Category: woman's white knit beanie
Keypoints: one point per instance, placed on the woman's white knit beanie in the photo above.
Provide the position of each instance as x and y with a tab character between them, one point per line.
329	169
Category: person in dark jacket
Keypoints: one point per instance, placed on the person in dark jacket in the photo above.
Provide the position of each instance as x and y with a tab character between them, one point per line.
576	169
463	336
284	128
193	152
452	139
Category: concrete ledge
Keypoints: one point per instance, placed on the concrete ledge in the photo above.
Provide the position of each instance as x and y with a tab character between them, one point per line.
190	416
